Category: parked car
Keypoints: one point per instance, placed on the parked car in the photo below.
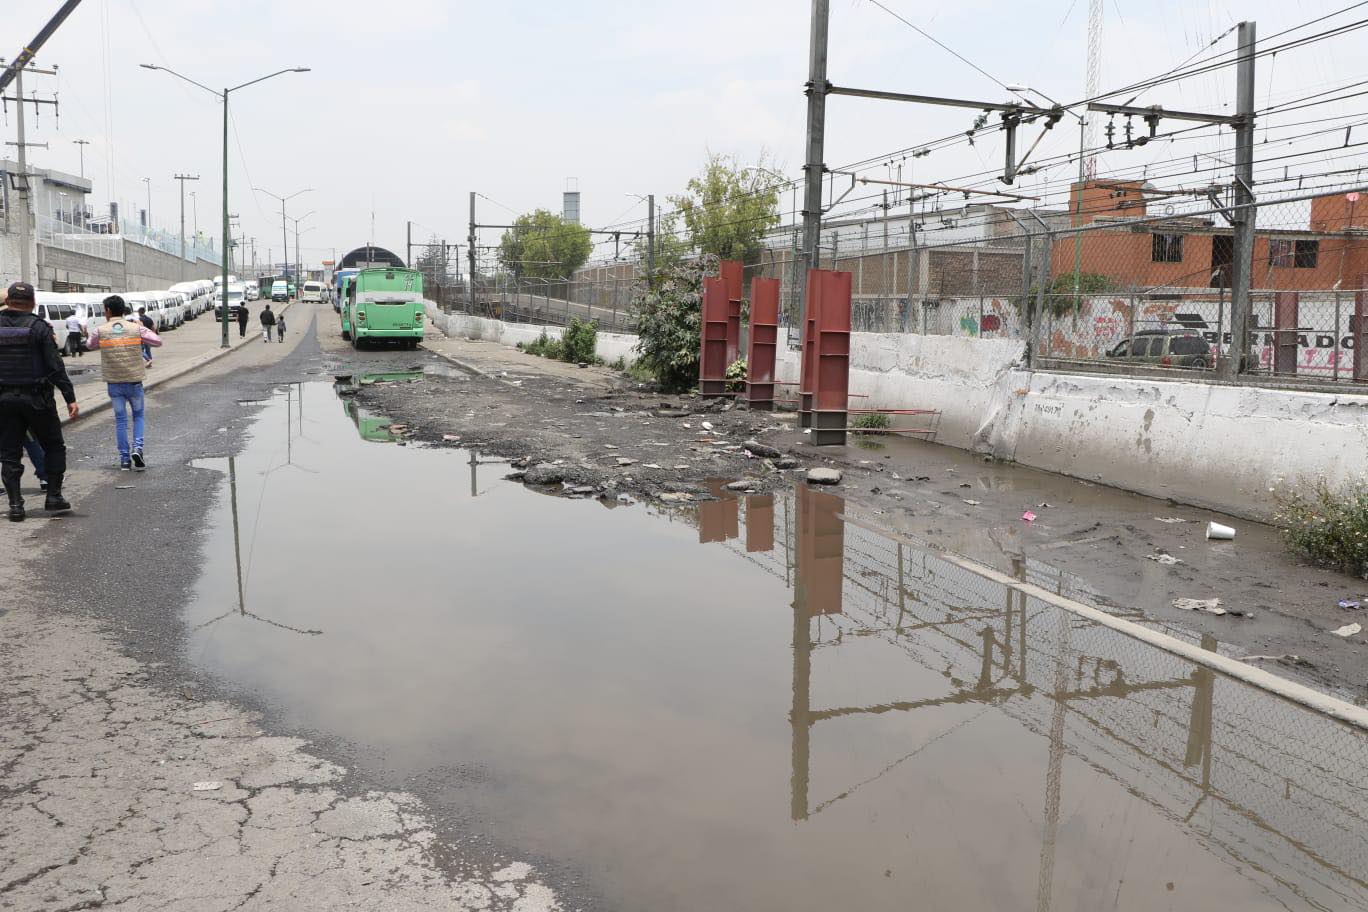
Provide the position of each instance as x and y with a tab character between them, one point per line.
1165	348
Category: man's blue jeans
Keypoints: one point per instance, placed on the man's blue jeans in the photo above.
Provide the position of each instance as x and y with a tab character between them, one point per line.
125	396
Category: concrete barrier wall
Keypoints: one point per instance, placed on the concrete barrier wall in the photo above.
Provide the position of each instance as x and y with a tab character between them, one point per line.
1221	447
150	269
611	346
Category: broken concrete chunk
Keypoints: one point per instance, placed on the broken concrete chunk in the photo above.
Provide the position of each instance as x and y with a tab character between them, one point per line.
544	474
626	461
1210	606
761	449
822	476
786	462
1348	630
743	484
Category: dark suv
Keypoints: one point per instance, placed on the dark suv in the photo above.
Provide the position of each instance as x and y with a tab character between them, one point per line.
1165	348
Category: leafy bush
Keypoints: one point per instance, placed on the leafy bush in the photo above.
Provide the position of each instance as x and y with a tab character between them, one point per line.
869	421
1329	526
668	312
579	341
736	376
1059	294
545	347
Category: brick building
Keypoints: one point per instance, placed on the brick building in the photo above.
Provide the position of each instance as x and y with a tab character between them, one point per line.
1193	254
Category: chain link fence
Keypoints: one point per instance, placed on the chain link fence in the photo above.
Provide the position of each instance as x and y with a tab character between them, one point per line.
551	302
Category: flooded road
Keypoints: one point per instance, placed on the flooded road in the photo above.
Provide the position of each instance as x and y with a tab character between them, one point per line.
757	703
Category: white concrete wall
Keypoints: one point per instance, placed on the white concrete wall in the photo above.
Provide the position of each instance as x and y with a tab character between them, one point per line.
960	377
1221	447
611	346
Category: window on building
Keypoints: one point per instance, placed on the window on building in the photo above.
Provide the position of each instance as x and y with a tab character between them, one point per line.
1289	254
1167	248
1307	254
1281	252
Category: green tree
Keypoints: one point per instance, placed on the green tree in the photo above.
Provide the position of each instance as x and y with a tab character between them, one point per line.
671	245
667	314
542	245
728	209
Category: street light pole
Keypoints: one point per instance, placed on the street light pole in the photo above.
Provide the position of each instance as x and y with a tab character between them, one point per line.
226	241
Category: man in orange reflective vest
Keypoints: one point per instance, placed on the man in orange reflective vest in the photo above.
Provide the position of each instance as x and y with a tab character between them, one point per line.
120	340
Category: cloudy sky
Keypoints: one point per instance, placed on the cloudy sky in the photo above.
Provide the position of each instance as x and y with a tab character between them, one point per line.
412	104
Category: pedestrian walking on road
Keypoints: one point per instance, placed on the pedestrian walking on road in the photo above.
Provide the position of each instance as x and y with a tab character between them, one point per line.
268	322
280	328
38	458
75	336
242	321
30	366
118	341
146	321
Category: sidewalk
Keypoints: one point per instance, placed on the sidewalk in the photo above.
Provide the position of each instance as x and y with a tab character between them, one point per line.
500	362
194	345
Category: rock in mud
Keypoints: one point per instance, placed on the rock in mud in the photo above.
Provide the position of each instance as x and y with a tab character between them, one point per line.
762	449
544	474
786	462
744	484
821	476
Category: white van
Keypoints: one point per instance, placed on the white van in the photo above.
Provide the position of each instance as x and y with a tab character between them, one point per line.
313	291
53	307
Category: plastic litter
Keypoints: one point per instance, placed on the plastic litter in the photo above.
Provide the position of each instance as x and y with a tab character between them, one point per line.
1210	606
1351	604
706	425
1348	630
1028	516
1218	532
1170	519
212	785
973	503
1167	560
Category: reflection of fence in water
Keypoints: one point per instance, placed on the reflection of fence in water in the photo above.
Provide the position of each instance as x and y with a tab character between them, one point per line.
1276	788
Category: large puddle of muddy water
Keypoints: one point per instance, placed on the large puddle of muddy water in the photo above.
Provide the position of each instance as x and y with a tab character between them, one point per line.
758	703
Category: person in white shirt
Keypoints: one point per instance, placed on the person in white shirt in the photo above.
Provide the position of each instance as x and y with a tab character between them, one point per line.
75	341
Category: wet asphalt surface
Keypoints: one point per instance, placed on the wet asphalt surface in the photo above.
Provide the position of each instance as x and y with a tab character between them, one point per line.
648	758
130	552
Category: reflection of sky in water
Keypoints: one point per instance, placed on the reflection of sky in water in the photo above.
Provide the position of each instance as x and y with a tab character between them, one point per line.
800	714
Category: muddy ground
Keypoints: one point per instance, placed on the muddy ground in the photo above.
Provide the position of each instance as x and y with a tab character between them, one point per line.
593	432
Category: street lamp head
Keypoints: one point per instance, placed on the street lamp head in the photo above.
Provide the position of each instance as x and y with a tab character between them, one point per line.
1017	87
302	70
149	66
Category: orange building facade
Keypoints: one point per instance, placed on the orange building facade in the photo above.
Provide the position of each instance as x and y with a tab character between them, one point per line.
1187	255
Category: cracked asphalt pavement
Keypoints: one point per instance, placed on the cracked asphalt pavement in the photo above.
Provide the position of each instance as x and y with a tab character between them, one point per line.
126	783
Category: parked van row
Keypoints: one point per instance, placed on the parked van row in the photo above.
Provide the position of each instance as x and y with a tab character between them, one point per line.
169	308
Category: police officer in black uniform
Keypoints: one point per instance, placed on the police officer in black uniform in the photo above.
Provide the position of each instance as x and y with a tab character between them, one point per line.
30	366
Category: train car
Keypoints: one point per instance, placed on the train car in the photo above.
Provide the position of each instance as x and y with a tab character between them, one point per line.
385	304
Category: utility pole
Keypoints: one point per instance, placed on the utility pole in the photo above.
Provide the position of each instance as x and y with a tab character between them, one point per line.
25	213
816	139
194	208
81	144
148	181
471	251
408	244
650	239
1245	215
182	178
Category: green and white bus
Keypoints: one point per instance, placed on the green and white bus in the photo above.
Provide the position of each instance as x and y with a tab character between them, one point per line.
384	304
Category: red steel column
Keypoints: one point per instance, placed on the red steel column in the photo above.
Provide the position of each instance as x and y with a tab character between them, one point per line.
733	273
712	352
763	344
1285	349
807	369
831	383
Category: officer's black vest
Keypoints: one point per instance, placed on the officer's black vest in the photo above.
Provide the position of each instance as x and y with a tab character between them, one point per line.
21	353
